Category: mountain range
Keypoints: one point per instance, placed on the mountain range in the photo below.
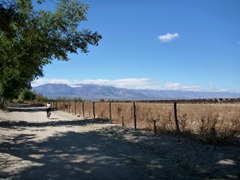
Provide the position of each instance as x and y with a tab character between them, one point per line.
97	92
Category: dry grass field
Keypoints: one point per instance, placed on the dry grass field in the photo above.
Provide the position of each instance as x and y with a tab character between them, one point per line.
205	121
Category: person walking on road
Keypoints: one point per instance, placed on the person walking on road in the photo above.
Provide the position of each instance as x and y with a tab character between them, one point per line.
48	109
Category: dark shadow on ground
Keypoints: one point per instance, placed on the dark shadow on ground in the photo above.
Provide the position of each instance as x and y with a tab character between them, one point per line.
78	122
107	155
60	158
15	107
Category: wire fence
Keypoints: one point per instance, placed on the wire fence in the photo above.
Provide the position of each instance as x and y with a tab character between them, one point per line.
204	119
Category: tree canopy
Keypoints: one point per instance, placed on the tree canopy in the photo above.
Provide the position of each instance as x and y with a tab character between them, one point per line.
30	39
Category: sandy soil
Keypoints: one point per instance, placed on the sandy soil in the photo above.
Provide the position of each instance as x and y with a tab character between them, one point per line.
70	147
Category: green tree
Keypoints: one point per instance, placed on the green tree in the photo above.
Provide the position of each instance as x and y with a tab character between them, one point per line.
11	82
30	39
27	95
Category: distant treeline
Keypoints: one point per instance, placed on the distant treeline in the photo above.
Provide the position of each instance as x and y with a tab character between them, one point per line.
204	101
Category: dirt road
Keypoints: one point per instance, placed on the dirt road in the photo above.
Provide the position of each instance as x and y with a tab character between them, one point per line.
70	147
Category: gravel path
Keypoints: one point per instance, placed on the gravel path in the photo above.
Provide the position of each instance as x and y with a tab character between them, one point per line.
70	147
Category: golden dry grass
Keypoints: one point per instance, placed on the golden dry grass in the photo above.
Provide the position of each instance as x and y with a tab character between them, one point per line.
194	119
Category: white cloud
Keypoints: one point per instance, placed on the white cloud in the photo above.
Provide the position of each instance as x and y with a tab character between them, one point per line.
177	86
136	83
130	83
213	87
168	37
172	86
42	81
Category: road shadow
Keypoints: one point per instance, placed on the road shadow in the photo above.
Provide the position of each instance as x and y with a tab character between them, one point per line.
106	155
77	122
71	156
15	107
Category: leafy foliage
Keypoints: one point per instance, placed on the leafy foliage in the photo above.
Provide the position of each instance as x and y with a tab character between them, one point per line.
27	95
11	82
30	39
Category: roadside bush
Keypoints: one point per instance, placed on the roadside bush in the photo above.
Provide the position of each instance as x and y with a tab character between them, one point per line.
27	95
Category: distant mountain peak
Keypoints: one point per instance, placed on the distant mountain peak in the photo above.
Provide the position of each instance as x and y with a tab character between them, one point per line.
96	92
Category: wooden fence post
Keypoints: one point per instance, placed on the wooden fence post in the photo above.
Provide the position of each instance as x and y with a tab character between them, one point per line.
79	110
83	108
66	106
176	121
122	121
93	106
69	107
110	112
155	127
75	107
134	116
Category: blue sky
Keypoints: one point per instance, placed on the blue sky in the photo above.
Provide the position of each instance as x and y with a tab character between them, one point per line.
158	44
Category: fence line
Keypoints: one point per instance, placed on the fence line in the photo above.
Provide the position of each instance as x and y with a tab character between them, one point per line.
158	116
116	112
